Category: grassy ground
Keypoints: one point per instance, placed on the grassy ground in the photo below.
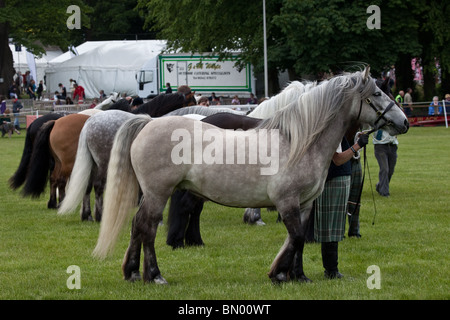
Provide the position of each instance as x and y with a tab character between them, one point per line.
408	242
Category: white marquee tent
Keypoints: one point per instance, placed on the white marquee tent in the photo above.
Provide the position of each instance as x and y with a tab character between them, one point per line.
23	61
103	65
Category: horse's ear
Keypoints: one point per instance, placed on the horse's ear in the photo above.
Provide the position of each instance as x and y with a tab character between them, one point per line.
366	73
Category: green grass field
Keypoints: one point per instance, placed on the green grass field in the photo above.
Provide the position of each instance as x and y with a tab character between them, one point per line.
408	242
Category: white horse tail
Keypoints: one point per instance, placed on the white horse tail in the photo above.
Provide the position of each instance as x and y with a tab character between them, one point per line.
79	178
122	187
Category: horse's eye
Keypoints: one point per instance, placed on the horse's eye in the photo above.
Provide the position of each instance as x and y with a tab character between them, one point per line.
377	94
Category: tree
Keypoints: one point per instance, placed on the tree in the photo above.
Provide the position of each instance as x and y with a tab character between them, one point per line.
115	20
308	37
434	37
34	26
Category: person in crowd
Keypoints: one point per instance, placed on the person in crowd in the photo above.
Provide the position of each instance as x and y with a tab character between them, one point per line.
235	100
447	103
94	103
408	103
40	89
252	99
13	91
169	88
203	101
435	107
79	92
102	95
2	105
17	106
63	90
31	89
385	149
399	97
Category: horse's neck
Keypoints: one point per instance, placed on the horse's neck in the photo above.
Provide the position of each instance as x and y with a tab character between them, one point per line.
332	136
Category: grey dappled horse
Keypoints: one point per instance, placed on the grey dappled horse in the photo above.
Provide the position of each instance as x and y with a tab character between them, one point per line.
310	129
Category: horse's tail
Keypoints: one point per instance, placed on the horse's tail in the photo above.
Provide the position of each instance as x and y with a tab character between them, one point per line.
40	163
79	178
122	187
20	175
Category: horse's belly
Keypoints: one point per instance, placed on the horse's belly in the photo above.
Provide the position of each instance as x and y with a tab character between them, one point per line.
231	186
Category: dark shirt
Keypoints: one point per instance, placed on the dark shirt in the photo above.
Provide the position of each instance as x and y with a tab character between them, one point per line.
343	170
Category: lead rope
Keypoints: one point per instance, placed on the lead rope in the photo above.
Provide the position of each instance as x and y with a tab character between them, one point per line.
366	164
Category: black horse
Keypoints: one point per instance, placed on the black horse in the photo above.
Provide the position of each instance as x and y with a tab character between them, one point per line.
19	177
159	106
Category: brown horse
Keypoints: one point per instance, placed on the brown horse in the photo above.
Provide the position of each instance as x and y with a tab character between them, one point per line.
57	139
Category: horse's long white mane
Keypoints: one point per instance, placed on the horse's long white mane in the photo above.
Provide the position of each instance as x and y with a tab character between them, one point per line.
304	119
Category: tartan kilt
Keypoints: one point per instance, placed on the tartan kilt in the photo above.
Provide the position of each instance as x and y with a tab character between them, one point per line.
331	210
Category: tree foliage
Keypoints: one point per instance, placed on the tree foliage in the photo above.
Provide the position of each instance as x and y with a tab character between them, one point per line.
36	25
306	37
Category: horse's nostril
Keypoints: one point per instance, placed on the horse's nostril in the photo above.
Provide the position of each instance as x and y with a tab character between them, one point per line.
406	125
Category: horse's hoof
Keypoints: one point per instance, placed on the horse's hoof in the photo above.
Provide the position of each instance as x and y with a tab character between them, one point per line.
279	278
88	218
260	223
159	280
135	276
303	279
52	205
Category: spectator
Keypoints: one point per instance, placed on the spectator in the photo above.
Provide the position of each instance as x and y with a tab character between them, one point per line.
2	105
212	97
63	91
408	103
94	103
169	88
102	95
57	98
16	111
252	99
40	89
203	101
399	97
78	92
447	103
435	107
235	100
72	86
31	89
385	148
13	91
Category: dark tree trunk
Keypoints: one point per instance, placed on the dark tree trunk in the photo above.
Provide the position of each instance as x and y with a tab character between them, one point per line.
6	58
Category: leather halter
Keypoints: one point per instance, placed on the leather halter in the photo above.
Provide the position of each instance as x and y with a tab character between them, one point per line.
380	114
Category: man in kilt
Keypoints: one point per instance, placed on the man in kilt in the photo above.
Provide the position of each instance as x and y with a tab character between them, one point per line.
331	206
